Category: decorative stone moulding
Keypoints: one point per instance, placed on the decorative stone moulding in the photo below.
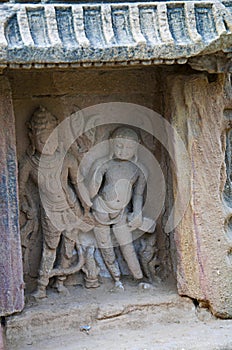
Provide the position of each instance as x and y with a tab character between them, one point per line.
48	35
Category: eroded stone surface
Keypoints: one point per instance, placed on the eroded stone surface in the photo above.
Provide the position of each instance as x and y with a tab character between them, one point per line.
153	319
204	270
56	210
11	279
63	316
157	32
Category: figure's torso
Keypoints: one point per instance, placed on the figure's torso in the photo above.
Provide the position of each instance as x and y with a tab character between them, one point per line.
51	176
118	181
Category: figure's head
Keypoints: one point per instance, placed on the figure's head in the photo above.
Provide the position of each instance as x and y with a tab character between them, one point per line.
125	143
41	125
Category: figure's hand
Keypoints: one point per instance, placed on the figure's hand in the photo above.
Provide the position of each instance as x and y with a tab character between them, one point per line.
86	210
84	142
135	220
87	203
84	196
71	204
30	213
27	210
88	217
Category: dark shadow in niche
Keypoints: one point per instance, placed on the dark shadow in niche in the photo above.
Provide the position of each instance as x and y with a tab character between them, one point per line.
228	228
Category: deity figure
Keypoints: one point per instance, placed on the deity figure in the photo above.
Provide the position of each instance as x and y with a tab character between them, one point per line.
54	173
117	185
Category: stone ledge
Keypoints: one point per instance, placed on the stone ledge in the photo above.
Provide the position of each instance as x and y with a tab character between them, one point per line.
60	315
44	35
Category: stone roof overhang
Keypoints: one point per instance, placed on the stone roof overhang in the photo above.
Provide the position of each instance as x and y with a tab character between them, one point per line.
95	34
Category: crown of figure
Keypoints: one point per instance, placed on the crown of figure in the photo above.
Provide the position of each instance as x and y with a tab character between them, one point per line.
42	121
125	133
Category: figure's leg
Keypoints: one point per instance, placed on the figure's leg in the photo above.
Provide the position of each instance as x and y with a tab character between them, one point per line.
90	269
51	238
125	240
102	234
46	265
66	254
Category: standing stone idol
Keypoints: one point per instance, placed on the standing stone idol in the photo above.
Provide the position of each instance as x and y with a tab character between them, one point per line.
116	187
54	173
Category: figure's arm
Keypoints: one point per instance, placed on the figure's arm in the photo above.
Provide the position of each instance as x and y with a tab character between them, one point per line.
95	176
137	204
79	186
138	194
135	218
24	173
26	204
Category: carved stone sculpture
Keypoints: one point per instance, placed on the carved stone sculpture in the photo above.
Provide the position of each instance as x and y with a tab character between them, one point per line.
55	175
117	186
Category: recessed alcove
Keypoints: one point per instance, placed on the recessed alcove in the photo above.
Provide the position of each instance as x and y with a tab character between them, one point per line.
64	92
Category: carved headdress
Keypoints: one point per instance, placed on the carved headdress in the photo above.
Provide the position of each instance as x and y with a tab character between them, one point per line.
42	121
124	132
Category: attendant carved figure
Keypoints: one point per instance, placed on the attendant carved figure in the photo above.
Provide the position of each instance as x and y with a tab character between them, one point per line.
54	173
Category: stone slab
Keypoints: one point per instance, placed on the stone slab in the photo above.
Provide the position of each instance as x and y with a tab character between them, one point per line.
202	240
136	319
95	33
11	279
60	316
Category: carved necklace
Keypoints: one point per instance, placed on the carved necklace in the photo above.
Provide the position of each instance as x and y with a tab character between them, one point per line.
47	162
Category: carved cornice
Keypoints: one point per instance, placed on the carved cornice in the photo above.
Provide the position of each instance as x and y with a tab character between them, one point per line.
50	35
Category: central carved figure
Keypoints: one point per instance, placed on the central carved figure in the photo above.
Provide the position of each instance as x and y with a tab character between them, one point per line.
116	186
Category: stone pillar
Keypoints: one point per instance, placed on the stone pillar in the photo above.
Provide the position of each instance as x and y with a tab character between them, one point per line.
2	338
196	111
11	275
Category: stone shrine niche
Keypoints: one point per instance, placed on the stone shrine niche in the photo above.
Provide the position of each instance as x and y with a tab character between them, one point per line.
170	57
83	189
90	226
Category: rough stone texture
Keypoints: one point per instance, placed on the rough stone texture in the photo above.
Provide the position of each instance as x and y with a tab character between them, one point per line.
217	63
63	316
11	280
135	319
204	269
154	32
2	338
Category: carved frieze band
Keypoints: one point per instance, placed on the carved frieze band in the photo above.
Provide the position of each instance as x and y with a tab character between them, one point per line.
54	33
